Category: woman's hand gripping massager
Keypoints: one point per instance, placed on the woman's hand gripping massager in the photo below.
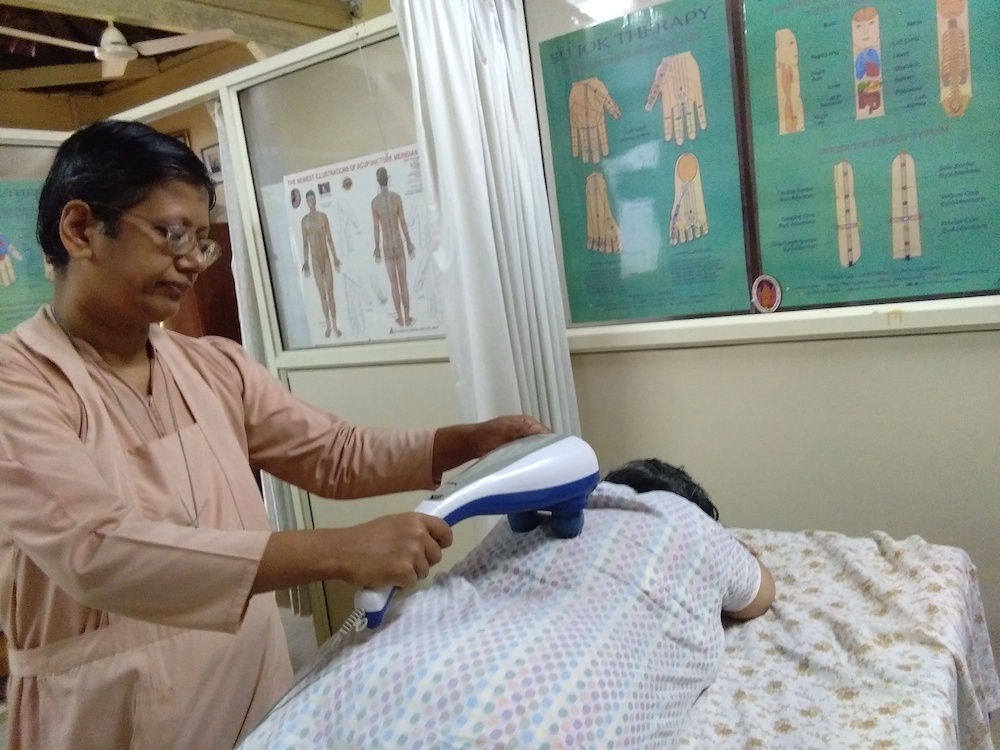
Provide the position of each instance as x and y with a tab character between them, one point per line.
551	473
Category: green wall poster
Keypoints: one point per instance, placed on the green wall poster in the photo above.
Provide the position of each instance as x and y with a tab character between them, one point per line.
24	276
645	164
875	143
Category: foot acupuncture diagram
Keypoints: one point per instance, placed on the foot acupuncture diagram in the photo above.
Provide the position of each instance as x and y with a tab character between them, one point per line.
866	45
905	208
954	62
589	106
603	234
791	117
688	217
848	228
677	82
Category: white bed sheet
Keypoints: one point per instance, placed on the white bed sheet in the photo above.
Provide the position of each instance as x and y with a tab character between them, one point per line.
871	643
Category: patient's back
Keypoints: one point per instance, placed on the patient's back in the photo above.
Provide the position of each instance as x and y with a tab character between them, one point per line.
604	640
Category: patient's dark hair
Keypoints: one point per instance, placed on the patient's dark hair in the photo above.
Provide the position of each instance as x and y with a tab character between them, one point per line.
649	474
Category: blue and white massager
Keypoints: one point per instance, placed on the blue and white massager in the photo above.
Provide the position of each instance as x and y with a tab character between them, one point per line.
550	473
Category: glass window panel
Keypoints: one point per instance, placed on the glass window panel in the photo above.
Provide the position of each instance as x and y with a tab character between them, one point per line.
344	108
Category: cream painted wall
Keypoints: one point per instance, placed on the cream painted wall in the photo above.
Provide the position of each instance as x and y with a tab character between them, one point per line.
900	434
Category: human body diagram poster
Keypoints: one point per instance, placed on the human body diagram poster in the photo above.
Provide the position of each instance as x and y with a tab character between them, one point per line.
646	167
25	277
876	145
360	252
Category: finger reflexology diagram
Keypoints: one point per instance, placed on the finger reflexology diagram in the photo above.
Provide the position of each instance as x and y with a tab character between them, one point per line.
890	113
603	234
589	104
848	228
905	208
954	61
791	117
905	218
677	82
866	44
688	217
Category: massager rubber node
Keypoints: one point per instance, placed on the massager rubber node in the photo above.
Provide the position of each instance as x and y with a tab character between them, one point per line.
567	527
522	522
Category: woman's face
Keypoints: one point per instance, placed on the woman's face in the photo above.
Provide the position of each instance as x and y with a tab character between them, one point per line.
133	277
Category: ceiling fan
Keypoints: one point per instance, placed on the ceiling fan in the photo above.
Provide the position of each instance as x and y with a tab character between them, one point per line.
115	52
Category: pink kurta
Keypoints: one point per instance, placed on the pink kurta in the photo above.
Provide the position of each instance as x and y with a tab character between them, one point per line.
127	626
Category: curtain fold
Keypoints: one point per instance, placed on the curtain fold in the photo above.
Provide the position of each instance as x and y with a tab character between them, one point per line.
277	495
481	165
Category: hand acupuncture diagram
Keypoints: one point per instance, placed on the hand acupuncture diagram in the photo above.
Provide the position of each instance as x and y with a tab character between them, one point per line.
357	301
848	228
678	82
589	103
867	55
688	217
954	61
426	284
349	230
8	254
905	209
791	117
603	234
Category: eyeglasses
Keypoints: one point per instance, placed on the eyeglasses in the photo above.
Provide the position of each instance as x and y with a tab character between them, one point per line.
178	239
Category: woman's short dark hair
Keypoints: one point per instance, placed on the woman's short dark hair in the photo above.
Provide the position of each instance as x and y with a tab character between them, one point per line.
649	474
112	165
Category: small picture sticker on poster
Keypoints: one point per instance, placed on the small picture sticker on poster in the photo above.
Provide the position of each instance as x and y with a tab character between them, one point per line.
765	294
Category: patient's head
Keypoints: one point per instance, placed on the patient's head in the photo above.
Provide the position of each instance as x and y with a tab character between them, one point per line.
648	474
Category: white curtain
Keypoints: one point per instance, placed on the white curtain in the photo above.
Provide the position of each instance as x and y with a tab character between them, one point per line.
277	494
481	165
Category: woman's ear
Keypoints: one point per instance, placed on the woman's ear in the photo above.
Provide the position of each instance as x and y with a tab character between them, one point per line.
76	227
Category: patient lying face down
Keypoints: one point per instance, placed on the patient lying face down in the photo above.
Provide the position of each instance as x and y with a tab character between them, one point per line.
603	640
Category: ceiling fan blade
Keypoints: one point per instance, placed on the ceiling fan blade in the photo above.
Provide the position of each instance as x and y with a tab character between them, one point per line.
21	34
113	67
182	41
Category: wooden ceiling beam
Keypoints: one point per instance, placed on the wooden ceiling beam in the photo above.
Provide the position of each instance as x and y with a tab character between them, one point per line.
31	111
183	16
69	75
329	15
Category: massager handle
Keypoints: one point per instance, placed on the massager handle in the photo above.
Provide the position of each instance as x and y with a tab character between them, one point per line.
375	602
524	475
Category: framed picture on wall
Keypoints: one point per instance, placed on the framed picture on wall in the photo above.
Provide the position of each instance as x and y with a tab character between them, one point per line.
213	160
183	136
